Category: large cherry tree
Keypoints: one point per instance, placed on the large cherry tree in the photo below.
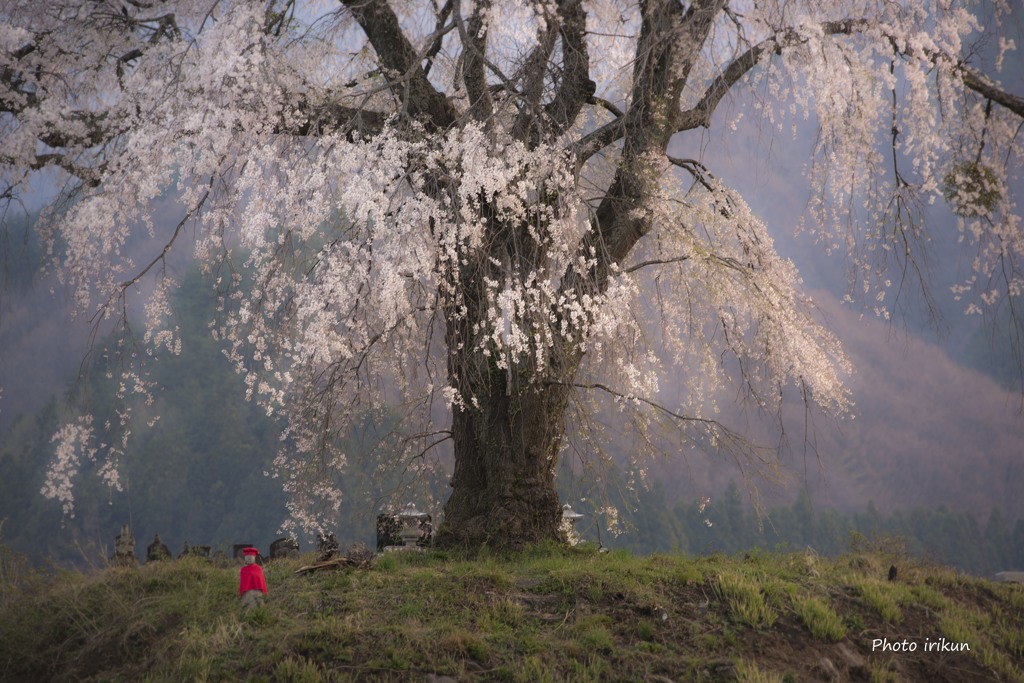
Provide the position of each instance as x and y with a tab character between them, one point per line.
468	212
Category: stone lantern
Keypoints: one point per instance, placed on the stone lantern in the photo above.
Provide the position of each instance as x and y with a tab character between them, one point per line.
411	518
568	515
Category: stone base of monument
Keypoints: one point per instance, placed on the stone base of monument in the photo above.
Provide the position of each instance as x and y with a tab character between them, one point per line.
252	599
403	549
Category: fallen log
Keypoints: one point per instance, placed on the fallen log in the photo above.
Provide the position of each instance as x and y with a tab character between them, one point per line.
335	563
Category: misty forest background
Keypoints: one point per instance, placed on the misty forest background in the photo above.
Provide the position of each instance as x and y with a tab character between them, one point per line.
932	458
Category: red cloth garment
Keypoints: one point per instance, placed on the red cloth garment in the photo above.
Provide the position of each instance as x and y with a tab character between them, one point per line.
252	579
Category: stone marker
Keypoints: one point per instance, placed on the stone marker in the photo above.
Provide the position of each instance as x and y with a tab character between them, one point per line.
157	551
360	552
389	531
202	551
326	547
285	546
124	549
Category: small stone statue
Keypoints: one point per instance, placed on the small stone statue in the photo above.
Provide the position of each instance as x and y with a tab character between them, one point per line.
252	586
326	547
360	552
202	551
157	551
124	549
389	531
285	546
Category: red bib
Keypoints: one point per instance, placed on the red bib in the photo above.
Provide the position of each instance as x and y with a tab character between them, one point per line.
252	579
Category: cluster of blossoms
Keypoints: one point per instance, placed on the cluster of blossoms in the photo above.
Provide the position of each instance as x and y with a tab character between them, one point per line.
903	74
702	505
76	440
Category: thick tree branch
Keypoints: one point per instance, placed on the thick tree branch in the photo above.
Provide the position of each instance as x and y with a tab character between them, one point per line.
972	79
474	43
668	44
534	70
401	62
981	85
333	116
605	104
700	114
438	41
575	88
600	138
17	100
655	262
89	176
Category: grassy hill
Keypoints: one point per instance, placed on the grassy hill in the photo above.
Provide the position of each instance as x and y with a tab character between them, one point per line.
546	614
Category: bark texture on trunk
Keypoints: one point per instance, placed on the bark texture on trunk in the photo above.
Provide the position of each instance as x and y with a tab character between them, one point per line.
503	488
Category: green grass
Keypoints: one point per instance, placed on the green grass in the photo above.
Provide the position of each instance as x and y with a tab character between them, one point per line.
883	597
745	599
750	672
545	614
819	618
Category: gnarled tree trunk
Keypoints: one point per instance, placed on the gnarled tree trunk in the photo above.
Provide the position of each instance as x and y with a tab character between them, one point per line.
503	487
508	427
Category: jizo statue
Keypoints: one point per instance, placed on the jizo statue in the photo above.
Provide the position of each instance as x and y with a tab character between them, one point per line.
252	586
